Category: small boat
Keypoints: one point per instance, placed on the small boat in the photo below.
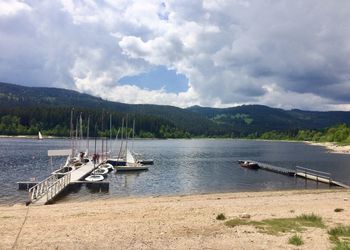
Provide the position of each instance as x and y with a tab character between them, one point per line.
100	171
40	136
131	164
64	170
145	162
107	166
94	178
131	167
116	162
248	164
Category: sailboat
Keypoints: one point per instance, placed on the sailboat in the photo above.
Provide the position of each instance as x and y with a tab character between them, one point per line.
130	163
40	136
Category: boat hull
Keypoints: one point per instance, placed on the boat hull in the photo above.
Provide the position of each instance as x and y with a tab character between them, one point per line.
94	178
101	171
145	162
116	162
63	171
131	168
250	165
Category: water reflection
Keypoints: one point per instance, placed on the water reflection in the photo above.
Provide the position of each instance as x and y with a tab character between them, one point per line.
181	167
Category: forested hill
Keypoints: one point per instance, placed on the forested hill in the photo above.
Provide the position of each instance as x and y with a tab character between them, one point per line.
258	118
39	104
25	110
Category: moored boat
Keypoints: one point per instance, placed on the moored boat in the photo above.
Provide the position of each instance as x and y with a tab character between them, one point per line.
131	164
94	178
131	167
100	171
248	164
145	162
108	166
63	170
116	162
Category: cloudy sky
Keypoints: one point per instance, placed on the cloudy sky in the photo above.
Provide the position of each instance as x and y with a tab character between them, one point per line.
288	54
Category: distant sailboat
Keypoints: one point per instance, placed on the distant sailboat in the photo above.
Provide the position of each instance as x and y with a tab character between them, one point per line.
40	136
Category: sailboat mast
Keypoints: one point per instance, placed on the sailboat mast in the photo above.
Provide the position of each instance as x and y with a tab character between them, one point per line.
133	135
102	138
110	132
88	134
76	134
71	131
81	130
95	144
121	139
116	140
126	134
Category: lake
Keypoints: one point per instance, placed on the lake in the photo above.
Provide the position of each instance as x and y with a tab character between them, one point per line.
180	167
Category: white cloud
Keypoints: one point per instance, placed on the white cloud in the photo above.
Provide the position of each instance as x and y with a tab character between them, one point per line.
281	53
12	7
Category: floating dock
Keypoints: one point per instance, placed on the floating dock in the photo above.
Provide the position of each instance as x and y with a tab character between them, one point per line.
318	176
95	185
275	169
45	191
25	185
305	173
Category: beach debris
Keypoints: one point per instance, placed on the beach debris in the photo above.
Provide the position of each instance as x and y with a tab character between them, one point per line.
221	216
244	216
345	199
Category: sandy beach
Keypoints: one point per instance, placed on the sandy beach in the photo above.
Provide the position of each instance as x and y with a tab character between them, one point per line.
171	222
332	147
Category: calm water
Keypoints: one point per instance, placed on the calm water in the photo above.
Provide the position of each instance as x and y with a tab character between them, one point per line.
181	167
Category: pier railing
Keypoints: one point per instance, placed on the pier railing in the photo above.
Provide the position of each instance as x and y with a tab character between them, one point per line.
318	176
48	188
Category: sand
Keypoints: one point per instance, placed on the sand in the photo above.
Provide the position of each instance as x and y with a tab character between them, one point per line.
332	147
171	222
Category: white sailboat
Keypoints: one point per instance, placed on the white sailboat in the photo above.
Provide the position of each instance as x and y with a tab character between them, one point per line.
40	136
131	164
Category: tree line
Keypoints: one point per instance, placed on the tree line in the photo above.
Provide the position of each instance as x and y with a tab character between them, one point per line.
57	122
339	133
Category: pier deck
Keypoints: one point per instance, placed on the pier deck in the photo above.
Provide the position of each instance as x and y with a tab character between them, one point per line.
308	174
275	169
48	189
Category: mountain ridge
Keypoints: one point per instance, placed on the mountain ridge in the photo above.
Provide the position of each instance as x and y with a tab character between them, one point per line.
207	121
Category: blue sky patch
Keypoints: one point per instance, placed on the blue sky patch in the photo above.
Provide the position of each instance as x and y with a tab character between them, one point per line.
158	78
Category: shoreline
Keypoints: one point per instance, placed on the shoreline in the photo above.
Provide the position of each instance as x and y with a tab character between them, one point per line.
332	147
172	222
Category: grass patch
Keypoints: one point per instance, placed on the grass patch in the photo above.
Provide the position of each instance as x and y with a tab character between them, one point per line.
6	217
221	217
281	225
342	246
337	210
340	236
296	240
240	222
311	220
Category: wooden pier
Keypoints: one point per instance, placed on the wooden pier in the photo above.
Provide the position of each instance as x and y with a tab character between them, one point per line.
46	190
25	185
318	176
306	173
275	169
95	185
